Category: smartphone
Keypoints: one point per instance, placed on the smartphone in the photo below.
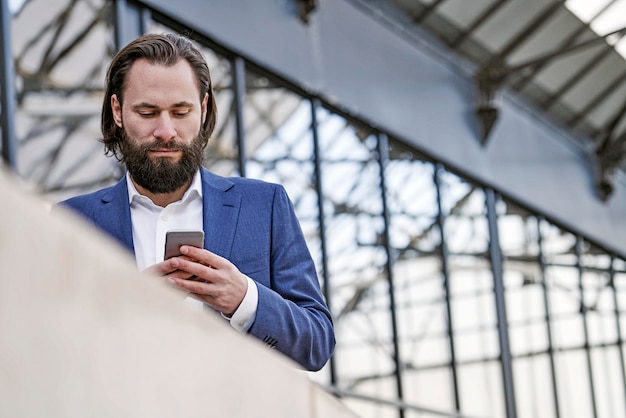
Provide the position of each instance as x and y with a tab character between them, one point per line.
174	240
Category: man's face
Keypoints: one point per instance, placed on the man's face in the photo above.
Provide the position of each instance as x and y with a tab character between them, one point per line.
161	116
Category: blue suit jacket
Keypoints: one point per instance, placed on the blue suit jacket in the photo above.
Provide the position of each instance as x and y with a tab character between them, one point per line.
252	224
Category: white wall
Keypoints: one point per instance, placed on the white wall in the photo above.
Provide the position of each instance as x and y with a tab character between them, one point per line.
82	333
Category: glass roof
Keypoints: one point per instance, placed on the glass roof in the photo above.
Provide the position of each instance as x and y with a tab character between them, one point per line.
603	16
566	58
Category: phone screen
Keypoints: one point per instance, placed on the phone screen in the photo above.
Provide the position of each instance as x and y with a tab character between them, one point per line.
175	239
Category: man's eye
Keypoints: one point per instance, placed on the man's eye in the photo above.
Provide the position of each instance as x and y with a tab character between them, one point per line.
146	114
181	113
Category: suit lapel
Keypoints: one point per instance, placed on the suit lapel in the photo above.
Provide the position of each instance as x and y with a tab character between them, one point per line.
221	210
220	213
113	214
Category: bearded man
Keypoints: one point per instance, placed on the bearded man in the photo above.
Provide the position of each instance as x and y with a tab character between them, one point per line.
157	116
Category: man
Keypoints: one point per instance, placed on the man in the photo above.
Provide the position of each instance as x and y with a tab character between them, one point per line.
255	269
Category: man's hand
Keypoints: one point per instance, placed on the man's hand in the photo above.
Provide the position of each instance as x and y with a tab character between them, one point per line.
214	280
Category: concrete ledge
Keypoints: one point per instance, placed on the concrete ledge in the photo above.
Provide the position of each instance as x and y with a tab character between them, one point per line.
84	334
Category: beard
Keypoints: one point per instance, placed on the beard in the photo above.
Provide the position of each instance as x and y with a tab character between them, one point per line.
162	175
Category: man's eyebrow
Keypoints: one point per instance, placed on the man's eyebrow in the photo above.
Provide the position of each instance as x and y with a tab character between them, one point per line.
183	104
145	105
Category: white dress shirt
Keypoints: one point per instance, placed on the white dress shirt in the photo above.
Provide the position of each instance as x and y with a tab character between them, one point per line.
150	223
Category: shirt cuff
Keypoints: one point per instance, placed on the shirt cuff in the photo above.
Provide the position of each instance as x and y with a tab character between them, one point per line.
243	318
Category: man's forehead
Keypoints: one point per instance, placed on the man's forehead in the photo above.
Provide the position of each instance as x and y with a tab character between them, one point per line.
146	79
142	65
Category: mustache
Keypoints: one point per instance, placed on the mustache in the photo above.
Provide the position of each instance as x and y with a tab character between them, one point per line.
160	144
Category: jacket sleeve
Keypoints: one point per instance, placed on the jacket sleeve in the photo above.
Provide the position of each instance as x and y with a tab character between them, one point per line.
291	314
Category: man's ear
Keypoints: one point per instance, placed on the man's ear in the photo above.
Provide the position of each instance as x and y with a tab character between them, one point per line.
204	105
116	108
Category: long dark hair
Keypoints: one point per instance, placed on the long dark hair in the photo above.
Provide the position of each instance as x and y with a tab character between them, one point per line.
164	49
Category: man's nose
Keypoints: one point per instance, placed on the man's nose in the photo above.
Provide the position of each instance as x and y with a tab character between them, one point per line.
165	128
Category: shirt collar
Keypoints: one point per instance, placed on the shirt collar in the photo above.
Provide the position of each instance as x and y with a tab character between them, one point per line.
194	190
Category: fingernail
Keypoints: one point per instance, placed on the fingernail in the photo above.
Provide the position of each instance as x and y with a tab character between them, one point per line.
184	249
171	281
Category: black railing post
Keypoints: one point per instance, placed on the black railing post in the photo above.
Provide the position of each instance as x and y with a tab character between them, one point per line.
583	310
495	255
548	319
383	158
239	91
7	89
445	271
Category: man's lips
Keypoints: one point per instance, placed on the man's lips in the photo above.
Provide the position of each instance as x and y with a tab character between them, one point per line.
164	151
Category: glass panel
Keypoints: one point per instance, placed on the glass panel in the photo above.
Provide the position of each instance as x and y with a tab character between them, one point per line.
277	129
481	389
619	284
598	300
603	328
221	153
474	319
619	281
61	52
430	388
533	387
519	231
600	309
356	256
526	310
279	147
562	282
574	391
559	246
420	298
593	257
608	382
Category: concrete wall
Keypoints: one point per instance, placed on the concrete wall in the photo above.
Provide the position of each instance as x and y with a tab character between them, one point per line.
83	334
351	57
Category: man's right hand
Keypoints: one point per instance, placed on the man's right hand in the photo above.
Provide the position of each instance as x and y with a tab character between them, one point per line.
169	269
